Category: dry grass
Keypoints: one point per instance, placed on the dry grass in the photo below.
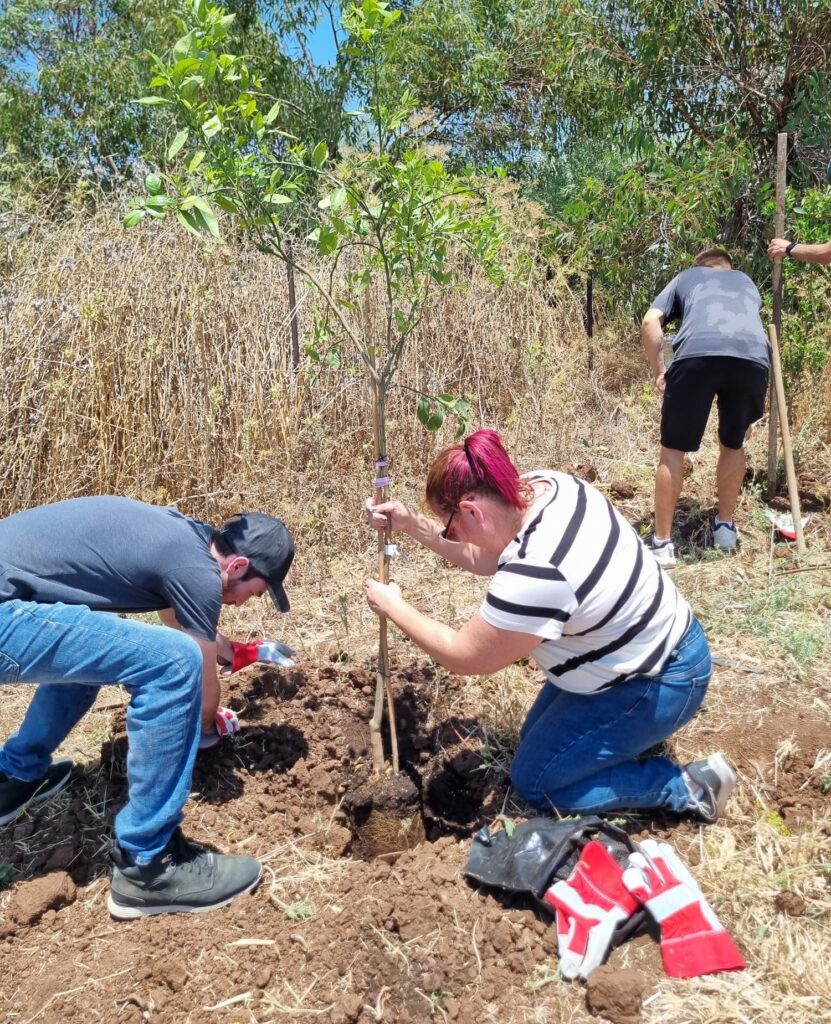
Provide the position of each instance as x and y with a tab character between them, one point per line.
148	365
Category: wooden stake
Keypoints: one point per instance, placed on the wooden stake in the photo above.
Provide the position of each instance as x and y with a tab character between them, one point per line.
790	473
776	280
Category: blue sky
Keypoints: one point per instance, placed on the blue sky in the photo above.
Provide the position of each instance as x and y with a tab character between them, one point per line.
321	43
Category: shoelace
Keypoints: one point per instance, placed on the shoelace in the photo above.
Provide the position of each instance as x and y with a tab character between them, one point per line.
189	856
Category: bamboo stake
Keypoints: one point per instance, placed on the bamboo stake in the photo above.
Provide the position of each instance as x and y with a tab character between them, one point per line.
793	493
383	683
776	280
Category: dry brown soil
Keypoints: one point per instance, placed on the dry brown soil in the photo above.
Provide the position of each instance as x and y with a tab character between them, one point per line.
329	936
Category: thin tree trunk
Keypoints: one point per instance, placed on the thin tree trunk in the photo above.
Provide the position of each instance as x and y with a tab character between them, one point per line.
295	334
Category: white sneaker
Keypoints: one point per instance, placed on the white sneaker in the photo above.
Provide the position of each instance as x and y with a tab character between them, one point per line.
663	550
710	783
725	535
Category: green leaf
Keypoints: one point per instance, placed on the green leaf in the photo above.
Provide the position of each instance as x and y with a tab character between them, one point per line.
319	154
179	140
211	127
152	101
202	212
277	198
153	184
196	160
189	220
327	240
271	116
333	359
225	203
436	419
158	203
423	410
133	217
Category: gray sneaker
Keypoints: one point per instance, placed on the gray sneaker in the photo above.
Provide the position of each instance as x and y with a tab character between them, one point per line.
16	794
184	879
717	780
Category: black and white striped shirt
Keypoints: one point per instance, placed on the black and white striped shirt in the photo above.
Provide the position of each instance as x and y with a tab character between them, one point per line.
578	576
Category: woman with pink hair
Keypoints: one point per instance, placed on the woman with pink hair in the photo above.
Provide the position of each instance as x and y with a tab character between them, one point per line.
572	587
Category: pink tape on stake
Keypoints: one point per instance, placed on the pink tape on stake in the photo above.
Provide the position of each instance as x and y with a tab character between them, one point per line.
382	481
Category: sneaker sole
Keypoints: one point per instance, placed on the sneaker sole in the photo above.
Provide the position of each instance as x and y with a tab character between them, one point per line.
39	797
123	913
721	766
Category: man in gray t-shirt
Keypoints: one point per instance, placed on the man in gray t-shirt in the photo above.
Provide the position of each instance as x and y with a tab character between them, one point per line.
720	352
62	567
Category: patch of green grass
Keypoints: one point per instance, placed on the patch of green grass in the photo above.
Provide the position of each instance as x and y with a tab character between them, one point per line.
803	645
300	910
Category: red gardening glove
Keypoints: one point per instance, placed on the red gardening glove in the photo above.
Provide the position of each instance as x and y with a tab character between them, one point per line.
693	940
266	651
225	724
590	905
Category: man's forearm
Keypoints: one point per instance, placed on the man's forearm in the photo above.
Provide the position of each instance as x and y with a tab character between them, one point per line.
652	339
809	253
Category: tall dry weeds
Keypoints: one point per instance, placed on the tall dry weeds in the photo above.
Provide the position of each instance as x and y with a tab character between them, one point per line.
151	364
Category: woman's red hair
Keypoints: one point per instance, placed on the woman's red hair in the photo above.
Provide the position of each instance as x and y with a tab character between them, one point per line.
479	465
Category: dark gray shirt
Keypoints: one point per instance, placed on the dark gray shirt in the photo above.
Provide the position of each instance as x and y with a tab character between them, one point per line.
718	312
113	554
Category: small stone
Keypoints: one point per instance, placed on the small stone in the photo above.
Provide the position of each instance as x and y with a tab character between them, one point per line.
262	977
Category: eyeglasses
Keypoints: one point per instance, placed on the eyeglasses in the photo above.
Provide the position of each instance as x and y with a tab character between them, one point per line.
445	532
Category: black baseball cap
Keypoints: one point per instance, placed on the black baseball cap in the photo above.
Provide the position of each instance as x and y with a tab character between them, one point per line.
267	545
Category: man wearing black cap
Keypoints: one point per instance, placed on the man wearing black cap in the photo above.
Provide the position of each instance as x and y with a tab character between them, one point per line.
61	566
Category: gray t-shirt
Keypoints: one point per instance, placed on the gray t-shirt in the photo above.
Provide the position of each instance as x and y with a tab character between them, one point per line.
113	554
718	312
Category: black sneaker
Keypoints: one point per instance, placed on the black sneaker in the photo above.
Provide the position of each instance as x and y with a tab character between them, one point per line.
184	879
16	794
717	780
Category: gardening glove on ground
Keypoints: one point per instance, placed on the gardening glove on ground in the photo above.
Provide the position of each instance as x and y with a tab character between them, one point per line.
265	651
693	940
226	724
590	905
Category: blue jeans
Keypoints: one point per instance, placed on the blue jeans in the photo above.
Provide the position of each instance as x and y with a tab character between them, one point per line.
577	751
69	652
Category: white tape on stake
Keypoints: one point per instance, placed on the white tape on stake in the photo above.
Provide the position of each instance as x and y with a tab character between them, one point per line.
391	550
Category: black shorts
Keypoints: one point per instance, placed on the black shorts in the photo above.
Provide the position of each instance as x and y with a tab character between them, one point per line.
691	385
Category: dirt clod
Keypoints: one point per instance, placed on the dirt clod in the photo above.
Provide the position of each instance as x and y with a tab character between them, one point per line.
615	994
33	899
790	903
622	490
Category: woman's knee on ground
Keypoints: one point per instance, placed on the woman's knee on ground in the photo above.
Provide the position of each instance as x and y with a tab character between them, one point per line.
525	776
